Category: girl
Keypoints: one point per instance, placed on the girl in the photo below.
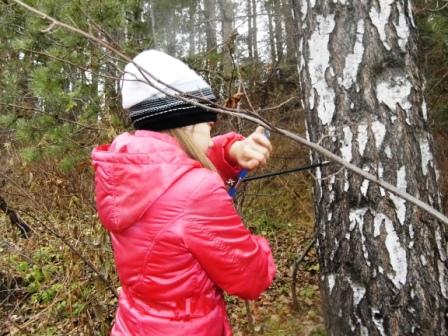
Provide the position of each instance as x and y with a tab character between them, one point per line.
178	241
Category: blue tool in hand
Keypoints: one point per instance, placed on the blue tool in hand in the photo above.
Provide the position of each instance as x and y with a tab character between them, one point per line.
243	174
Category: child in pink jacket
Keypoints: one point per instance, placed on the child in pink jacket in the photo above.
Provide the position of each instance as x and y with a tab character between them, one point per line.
177	239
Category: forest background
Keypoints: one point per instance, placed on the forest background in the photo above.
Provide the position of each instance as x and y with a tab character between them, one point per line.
60	97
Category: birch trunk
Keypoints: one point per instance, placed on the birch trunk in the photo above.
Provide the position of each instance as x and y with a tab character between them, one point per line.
383	262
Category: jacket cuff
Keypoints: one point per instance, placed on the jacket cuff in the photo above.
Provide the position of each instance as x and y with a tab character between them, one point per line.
235	137
219	155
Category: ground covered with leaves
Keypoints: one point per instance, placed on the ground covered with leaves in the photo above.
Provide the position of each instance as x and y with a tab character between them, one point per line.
47	286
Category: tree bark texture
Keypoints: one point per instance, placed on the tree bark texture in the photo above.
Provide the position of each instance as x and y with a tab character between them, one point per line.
254	32
249	28
271	33
210	23
278	31
290	32
192	30
383	262
227	10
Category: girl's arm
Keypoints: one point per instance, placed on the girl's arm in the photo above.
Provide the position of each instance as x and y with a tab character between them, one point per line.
236	260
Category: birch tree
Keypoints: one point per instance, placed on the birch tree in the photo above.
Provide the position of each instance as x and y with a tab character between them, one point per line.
383	262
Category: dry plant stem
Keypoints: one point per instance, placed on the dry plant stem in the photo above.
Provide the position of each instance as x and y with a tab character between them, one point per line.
12	247
63	239
240	78
438	82
278	106
76	252
248	116
285	184
295	268
250	320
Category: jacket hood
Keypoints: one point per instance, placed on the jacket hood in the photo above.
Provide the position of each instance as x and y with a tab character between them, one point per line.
133	172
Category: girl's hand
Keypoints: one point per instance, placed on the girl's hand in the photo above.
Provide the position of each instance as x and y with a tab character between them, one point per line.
252	152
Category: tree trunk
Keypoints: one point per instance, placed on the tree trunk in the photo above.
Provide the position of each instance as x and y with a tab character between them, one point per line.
271	33
290	32
254	30
249	28
192	29
228	38
152	19
278	31
210	23
383	262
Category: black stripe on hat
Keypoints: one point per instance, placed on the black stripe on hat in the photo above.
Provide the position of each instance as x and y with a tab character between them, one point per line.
178	117
170	112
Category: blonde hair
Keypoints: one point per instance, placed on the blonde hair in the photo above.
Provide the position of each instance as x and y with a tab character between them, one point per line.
189	146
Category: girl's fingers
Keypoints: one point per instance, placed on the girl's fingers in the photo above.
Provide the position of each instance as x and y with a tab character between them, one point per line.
255	154
261	140
265	150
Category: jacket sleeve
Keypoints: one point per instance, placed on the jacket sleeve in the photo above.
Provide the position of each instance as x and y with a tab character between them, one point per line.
218	154
236	260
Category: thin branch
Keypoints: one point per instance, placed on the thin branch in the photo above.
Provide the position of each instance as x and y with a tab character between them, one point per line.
439	8
438	82
71	63
295	268
278	106
240	78
56	117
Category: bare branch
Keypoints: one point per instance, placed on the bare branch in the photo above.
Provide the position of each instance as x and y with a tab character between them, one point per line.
278	106
49	28
56	117
295	268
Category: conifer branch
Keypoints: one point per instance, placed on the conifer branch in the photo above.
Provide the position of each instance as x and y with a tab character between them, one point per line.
204	103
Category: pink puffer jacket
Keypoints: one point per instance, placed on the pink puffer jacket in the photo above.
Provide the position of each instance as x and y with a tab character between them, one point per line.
177	239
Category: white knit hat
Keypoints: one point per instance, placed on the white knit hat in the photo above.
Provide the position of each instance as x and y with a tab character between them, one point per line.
148	103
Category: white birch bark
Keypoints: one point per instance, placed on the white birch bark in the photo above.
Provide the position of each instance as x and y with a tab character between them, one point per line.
383	261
